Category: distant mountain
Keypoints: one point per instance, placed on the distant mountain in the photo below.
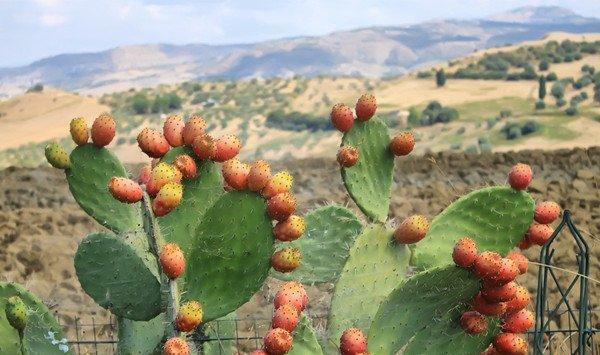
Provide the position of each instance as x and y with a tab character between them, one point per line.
370	52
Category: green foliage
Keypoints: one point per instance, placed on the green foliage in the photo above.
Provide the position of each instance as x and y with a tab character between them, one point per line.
424	74
514	130
305	339
542	87
166	103
414	116
440	78
558	90
540	105
36	88
297	121
436	113
571	110
138	337
551	77
544	65
561	102
140	104
222	329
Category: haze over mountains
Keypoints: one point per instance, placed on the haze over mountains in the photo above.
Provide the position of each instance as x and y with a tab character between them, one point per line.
369	52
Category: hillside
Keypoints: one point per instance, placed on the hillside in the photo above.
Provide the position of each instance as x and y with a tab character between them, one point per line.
368	52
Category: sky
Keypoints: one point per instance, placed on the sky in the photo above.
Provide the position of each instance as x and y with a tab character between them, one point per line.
34	29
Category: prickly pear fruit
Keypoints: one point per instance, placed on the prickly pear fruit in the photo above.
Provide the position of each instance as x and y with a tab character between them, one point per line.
487	264
290	229
520	301
173	130
402	144
193	128
518	322
189	316
524	244
473	322
204	146
285	317
490	351
172	260
464	252
57	156
539	233
16	312
167	198
145	174
489	309
153	143
520	259
502	293
546	212
279	183
286	259
510	343
176	346
520	176
341	117
186	165
365	108
162	174
259	352
281	206
353	342
79	131
291	292
259	175
124	189
103	130
278	341
227	147
412	229
235	174
507	272
347	156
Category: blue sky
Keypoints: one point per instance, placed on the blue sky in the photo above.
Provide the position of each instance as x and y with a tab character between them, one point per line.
33	29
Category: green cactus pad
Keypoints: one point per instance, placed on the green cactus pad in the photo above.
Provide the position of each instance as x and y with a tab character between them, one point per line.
422	316
369	182
120	274
198	195
91	169
137	337
230	254
10	342
220	329
496	218
375	267
305	339
40	338
330	232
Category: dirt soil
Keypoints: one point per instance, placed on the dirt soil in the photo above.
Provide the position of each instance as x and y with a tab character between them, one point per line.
41	225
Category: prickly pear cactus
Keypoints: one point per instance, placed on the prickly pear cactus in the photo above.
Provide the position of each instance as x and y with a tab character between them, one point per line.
222	330
139	337
305	339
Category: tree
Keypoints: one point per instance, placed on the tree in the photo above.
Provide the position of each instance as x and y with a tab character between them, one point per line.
440	78
542	87
140	103
558	90
544	65
597	92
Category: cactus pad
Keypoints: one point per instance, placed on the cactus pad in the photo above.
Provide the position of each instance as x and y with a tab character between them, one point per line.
40	338
137	337
230	254
375	267
305	339
120	274
91	169
330	232
220	329
421	316
496	218
369	182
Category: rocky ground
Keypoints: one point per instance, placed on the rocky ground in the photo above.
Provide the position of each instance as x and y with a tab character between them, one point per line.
41	225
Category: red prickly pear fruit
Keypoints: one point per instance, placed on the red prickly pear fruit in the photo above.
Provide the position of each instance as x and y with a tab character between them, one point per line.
353	342
279	183
525	243
186	165
402	144
507	272
189	316
285	317
539	233
504	293
490	351
347	156
464	252
291	292
173	130
520	301
365	108
259	352
172	260
518	322
546	212
145	174
487	264
412	229
489	309
235	174
103	130
520	176
520	259
124	189
204	147
176	346
341	117
510	344
259	175
57	156
281	206
473	322
227	147
153	143
193	128
167	198
290	229
286	259
79	131
162	174
278	341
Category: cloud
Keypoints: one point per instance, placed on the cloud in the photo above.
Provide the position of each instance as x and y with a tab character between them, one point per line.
48	3
52	20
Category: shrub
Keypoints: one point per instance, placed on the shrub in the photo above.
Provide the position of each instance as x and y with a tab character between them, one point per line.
540	105
529	127
414	116
460	130
505	113
36	88
491	122
140	104
582	82
544	65
551	77
424	74
571	110
560	102
440	78
296	121
558	90
471	149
